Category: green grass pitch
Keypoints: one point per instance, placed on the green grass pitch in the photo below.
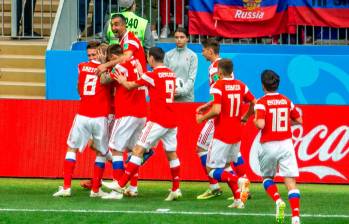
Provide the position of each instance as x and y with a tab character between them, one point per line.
31	201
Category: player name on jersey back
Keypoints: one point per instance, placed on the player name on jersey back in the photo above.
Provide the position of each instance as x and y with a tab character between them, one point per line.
276	102
166	75
89	69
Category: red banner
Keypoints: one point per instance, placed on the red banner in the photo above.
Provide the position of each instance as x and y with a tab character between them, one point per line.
34	136
256	18
243	13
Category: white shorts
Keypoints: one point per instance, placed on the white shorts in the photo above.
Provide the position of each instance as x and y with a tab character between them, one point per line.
126	132
153	132
206	135
278	155
84	128
220	153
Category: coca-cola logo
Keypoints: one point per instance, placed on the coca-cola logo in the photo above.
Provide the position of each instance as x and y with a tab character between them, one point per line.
326	152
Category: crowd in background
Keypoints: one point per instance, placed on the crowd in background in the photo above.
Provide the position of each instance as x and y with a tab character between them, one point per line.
170	13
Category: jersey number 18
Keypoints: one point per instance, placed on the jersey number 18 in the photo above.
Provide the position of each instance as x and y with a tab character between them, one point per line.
280	121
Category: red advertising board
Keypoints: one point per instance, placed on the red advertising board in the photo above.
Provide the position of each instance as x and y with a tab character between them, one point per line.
34	136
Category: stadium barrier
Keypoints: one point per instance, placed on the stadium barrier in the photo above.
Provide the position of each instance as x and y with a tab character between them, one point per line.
34	134
303	69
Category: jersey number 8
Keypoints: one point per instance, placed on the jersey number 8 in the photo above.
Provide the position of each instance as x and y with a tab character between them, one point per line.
90	85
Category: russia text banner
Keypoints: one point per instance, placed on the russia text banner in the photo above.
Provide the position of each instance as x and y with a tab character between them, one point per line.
238	18
244	10
256	18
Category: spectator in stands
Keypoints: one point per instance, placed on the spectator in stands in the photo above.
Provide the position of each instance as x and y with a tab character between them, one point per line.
150	11
100	8
165	11
184	63
138	25
25	17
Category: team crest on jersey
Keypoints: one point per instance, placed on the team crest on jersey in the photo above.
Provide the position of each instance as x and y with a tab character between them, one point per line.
252	4
125	46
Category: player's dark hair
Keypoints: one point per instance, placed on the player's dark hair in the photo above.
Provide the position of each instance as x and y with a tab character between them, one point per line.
93	44
120	16
270	80
114	49
226	66
182	30
157	53
211	43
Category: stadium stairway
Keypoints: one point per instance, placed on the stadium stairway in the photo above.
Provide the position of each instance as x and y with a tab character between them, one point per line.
22	61
22	69
43	17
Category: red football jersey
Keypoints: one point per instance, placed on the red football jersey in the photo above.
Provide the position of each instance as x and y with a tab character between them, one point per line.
231	95
128	103
161	87
129	42
277	111
95	97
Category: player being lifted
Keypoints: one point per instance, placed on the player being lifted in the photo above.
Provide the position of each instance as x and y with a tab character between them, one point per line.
210	50
130	115
274	113
229	95
161	124
91	120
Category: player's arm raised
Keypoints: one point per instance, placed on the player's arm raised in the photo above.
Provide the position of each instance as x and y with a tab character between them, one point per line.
124	57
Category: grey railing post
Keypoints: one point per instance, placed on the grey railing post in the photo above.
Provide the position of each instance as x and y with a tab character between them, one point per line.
14	25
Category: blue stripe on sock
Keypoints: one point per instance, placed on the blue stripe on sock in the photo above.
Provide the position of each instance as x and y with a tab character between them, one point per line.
71	160
294	195
100	165
268	183
203	159
118	165
217	174
239	162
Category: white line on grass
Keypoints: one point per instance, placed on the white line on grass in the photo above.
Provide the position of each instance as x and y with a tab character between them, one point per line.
161	212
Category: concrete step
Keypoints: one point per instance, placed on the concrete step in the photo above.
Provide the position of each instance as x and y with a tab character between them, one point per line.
23	47
22	88
22	97
45	30
22	75
44	6
47	17
22	61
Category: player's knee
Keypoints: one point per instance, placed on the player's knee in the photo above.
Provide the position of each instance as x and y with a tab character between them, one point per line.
138	151
171	155
72	150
